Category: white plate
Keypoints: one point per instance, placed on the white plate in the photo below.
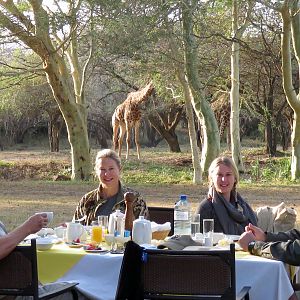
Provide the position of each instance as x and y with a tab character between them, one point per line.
96	251
204	248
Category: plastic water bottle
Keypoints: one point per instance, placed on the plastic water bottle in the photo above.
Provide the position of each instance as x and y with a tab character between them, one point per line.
182	217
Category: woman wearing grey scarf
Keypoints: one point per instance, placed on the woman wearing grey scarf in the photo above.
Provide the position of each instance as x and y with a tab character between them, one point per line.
231	213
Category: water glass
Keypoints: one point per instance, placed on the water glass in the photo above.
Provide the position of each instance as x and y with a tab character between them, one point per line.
103	221
195	224
208	227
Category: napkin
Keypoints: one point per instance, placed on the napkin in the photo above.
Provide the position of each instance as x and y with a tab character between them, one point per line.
177	242
160	227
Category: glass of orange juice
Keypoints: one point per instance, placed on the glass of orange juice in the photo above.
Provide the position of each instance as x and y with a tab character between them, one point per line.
96	233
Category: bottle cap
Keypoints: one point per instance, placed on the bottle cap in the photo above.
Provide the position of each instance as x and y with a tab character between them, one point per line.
182	197
126	233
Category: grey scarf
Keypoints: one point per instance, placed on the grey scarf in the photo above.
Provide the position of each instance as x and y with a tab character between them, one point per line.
233	216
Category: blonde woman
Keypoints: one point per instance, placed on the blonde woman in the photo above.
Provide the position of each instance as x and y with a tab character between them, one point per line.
231	213
109	195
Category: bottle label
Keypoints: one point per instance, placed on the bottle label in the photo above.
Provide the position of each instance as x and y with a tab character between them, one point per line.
181	215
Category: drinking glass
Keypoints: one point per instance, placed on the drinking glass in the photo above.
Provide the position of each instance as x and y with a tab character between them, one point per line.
208	228
195	224
103	221
96	233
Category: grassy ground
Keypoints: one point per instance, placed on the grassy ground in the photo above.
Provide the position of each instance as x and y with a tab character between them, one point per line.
26	184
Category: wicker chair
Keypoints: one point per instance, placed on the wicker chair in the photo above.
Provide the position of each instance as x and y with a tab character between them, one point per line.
166	274
19	276
161	215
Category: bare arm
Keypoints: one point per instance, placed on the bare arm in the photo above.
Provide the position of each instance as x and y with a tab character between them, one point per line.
10	241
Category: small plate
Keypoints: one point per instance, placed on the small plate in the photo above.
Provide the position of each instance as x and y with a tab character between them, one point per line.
96	251
70	245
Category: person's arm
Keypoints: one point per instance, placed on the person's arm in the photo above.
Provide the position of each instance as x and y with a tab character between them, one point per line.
79	214
292	235
11	240
288	252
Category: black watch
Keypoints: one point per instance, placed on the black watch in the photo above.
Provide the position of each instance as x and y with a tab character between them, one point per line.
251	246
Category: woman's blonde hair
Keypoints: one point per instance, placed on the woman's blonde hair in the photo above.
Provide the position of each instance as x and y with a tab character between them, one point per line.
106	153
223	160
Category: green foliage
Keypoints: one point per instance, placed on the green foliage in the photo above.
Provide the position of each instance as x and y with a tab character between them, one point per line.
155	172
4	164
271	170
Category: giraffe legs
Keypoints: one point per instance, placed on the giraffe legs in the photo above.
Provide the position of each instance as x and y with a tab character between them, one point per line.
128	136
121	137
136	138
115	125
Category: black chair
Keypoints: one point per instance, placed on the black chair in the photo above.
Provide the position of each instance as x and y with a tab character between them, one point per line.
161	215
19	275
166	274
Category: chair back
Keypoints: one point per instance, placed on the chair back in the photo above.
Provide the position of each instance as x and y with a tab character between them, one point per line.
168	274
161	215
18	272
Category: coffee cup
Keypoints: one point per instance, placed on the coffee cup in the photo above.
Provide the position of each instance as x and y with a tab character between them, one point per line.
59	231
48	213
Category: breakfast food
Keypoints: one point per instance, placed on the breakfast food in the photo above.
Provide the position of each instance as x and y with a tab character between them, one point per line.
225	242
92	246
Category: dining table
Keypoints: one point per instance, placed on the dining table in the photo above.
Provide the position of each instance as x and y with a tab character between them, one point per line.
97	273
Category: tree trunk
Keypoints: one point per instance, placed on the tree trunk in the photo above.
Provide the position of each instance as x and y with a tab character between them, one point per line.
235	87
152	135
169	135
291	21
54	128
197	178
211	138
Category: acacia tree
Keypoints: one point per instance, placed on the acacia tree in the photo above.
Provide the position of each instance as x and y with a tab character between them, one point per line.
211	139
289	11
291	30
237	33
56	43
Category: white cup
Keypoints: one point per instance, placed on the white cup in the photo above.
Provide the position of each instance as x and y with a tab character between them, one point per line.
59	231
48	213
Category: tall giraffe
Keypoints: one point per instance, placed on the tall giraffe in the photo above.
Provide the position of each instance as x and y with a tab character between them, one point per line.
128	115
221	108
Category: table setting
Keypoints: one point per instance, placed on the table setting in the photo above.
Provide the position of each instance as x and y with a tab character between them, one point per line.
92	255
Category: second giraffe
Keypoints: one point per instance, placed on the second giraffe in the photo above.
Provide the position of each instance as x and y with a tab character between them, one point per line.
128	115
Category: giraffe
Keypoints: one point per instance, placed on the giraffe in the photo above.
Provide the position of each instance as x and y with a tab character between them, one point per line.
128	115
221	108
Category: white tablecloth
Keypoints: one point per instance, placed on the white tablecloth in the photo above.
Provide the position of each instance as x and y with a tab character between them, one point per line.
97	275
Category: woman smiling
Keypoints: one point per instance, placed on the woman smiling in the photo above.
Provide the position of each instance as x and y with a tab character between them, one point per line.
231	213
109	196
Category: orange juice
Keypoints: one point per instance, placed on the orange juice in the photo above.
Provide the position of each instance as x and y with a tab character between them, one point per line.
96	234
